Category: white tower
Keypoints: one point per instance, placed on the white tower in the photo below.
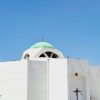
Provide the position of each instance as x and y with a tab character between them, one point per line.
47	73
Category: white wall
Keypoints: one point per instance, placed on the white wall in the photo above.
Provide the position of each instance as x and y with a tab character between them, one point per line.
57	79
47	79
37	80
13	80
94	81
81	81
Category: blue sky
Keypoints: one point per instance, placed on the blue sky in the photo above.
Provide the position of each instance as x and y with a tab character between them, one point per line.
73	26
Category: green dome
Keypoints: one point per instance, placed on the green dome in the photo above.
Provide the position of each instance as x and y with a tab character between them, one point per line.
42	45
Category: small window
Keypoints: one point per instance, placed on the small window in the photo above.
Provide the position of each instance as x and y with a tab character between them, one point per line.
76	74
49	54
26	56
55	56
42	55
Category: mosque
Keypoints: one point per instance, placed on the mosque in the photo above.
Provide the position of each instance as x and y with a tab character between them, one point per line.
43	73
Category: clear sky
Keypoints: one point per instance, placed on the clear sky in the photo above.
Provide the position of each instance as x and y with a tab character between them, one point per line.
73	26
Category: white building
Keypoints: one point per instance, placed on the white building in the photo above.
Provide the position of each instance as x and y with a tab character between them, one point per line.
44	73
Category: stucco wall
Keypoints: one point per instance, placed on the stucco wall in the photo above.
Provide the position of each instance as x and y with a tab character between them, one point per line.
13	80
37	80
58	81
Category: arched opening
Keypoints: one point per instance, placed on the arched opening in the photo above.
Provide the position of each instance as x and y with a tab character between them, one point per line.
27	56
49	54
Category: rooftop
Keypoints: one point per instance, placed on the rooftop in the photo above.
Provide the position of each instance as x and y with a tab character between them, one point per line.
42	45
